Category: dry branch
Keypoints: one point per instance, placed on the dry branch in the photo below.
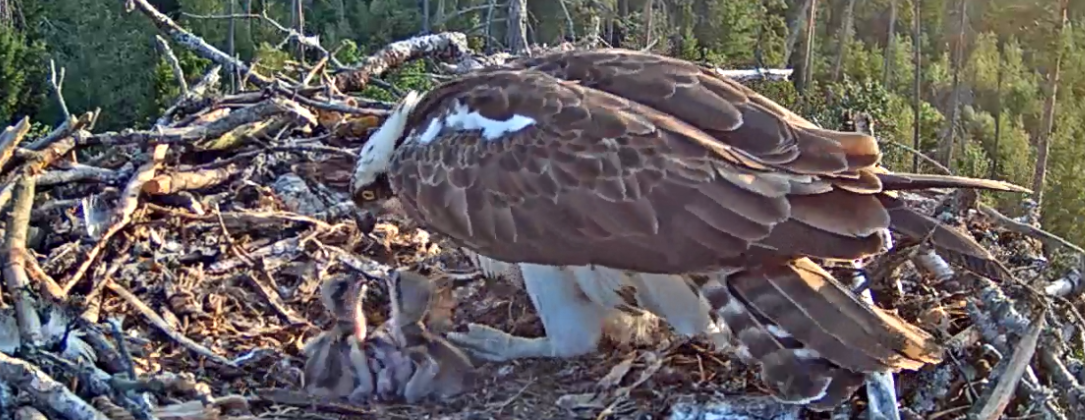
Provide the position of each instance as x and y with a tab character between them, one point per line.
197	44
175	64
1014	370
15	278
10	139
446	46
259	113
183	181
164	326
46	394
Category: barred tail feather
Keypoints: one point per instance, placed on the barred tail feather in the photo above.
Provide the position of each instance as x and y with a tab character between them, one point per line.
814	340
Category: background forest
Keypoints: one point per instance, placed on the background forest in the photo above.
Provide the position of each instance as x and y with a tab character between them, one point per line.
988	94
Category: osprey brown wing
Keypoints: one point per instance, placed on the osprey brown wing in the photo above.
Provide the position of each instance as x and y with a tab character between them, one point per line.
737	116
724	109
599	179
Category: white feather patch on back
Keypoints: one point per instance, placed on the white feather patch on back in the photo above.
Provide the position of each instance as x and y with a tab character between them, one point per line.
461	118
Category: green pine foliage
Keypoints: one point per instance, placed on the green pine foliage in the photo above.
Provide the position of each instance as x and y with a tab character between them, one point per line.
22	79
1008	51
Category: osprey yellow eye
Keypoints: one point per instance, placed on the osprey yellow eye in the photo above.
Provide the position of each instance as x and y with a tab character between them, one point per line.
369	195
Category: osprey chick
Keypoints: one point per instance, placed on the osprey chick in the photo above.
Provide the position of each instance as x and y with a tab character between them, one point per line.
616	179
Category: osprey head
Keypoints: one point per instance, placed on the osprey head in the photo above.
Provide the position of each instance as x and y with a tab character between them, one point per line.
369	186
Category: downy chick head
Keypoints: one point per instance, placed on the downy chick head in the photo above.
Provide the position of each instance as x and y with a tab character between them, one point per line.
344	297
410	295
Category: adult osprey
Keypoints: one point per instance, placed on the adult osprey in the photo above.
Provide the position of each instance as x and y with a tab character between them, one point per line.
624	178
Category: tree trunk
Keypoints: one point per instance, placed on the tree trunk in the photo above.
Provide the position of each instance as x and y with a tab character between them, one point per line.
945	155
648	23
795	24
890	43
298	14
6	14
808	56
917	30
425	17
516	32
231	43
1043	141
996	154
843	37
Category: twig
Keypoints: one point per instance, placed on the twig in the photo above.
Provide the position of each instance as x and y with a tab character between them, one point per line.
998	315
46	394
175	64
1069	284
18	222
57	82
164	326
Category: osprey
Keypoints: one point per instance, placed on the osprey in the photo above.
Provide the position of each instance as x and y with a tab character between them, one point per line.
621	180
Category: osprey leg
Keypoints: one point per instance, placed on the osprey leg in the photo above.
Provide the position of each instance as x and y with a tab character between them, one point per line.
573	324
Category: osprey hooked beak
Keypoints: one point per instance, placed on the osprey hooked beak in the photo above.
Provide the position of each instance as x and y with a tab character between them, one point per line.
369	186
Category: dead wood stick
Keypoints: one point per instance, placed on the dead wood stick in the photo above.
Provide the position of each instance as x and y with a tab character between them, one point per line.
57	82
197	44
284	250
252	217
122	215
1058	373
10	139
65	129
993	317
189	180
263	285
46	394
80	172
1048	238
15	278
338	107
49	287
1014	370
451	46
273	107
164	326
175	64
